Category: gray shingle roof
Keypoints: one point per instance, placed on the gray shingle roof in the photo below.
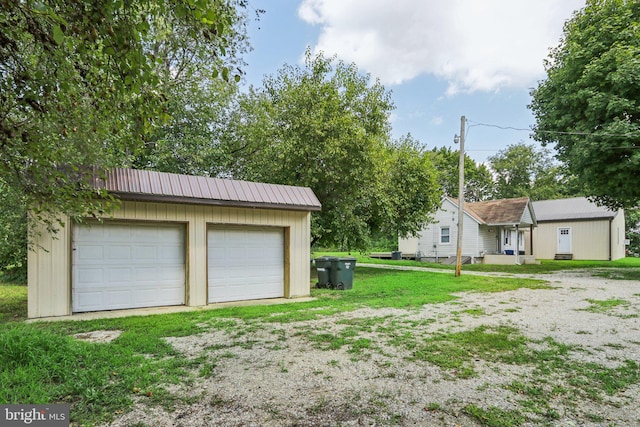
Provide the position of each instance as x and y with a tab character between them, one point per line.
575	208
144	185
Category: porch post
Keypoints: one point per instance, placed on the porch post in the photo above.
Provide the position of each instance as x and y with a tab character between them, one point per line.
517	250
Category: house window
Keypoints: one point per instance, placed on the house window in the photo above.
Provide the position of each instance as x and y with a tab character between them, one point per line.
507	237
445	235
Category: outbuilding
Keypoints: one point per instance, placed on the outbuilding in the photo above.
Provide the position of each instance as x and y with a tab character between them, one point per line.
175	240
576	228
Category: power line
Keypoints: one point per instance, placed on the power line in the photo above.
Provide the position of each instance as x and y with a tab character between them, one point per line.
552	132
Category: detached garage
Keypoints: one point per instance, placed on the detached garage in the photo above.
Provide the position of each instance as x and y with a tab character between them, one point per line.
176	240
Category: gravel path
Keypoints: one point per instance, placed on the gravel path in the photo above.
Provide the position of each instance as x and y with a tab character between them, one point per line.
294	374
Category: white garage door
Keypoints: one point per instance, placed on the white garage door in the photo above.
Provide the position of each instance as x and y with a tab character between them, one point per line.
117	266
245	263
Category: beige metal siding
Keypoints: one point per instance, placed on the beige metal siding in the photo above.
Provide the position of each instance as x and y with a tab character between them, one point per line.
49	274
50	271
618	233
408	245
590	239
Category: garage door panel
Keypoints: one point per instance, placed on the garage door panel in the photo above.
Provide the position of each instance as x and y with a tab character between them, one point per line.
90	252
89	299
170	253
118	253
245	263
145	253
90	275
119	266
118	298
119	276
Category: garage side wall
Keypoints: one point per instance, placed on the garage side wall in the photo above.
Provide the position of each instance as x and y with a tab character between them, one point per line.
49	273
49	277
618	234
589	239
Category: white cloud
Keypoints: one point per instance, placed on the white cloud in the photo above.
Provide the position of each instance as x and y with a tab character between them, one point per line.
474	45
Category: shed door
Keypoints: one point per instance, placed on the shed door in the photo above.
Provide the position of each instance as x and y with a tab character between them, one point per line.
245	263
564	240
118	266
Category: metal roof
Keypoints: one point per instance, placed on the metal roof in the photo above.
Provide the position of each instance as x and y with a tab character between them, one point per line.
145	185
575	208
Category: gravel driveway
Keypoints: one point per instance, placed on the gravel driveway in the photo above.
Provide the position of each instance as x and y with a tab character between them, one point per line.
362	368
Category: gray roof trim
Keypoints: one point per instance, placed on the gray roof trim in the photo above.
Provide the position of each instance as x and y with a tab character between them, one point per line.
571	209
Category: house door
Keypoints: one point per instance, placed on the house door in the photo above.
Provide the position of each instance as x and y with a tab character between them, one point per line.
564	240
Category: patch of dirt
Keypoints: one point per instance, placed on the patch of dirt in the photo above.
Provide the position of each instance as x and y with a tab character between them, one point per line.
360	369
98	336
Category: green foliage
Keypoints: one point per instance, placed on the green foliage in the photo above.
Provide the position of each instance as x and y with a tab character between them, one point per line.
589	105
13	303
188	142
326	126
13	234
83	82
521	170
632	227
408	194
478	182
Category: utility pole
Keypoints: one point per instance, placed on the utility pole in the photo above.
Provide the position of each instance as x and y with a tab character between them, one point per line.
463	123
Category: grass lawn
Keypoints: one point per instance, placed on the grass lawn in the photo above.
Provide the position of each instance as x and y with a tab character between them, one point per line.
13	302
43	363
545	266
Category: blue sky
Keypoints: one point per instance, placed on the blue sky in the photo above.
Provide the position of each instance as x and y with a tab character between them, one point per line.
440	59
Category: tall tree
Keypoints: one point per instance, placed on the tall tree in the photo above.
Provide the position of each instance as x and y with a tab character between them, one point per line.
326	126
83	82
478	182
409	188
188	142
589	104
522	170
632	225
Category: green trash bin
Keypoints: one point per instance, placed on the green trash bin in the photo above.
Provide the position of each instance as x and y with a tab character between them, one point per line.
323	266
341	273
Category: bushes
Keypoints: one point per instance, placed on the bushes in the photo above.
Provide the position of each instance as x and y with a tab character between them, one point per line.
13	235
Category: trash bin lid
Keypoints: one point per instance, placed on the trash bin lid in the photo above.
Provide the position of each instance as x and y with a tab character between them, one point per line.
347	259
327	258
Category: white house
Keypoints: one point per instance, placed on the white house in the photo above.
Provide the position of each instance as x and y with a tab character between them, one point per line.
576	228
493	232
